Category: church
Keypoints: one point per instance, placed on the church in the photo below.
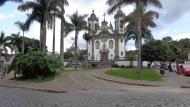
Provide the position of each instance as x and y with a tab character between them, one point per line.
106	43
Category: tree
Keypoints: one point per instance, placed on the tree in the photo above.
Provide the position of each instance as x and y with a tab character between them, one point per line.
15	42
3	42
77	24
2	2
22	26
69	54
167	39
41	12
140	7
86	37
130	33
60	14
156	50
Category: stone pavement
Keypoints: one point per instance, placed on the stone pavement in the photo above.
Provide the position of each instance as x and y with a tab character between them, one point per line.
85	80
61	84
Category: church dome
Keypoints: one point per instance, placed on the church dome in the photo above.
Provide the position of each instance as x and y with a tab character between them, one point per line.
119	14
92	17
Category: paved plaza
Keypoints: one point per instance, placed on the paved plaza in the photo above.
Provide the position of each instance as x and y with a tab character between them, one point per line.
84	90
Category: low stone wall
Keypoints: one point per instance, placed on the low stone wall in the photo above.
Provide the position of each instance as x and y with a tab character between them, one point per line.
129	63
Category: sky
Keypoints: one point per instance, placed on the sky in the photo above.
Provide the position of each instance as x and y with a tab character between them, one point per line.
173	20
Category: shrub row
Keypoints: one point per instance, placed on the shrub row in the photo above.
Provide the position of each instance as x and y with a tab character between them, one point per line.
122	66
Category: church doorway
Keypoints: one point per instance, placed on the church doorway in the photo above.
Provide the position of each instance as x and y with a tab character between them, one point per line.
104	58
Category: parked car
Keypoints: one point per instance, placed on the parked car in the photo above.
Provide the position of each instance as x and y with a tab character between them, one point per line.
156	66
186	70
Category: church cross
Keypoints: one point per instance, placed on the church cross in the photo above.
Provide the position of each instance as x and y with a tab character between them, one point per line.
104	16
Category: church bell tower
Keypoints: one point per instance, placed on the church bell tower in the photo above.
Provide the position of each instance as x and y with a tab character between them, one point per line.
93	22
119	23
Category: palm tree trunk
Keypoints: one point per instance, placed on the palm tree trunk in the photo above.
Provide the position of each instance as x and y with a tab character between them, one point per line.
76	48
41	33
86	53
23	42
139	45
54	34
62	37
44	37
139	6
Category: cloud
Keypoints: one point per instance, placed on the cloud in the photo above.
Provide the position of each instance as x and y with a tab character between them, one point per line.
5	16
181	36
174	10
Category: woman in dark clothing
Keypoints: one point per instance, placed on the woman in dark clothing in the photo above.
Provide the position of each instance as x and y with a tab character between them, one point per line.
170	67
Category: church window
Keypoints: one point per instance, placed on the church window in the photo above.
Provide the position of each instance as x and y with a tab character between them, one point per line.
97	44
111	44
121	53
121	40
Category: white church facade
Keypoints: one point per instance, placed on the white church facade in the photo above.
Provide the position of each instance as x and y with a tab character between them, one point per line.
106	43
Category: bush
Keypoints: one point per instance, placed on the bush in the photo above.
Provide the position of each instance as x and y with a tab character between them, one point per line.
115	65
130	66
122	66
94	65
34	64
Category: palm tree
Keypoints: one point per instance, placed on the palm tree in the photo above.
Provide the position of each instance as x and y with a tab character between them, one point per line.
86	37
77	24
62	3
3	42
22	26
147	21
41	12
139	5
15	42
2	2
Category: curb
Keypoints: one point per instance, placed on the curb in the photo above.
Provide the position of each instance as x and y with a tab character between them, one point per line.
121	82
34	89
185	86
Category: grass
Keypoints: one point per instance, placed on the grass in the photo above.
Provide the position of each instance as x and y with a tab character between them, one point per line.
130	73
35	80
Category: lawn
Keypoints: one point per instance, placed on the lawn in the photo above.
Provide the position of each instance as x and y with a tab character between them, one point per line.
130	73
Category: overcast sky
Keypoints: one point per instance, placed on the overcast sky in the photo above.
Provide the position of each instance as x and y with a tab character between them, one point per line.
174	20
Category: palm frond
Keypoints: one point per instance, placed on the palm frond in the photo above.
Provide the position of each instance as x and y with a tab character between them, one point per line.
156	3
27	5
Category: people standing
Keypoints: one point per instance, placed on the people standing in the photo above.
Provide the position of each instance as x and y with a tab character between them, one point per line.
170	67
162	69
2	66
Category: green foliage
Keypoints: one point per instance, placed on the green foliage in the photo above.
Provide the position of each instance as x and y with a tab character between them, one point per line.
94	65
115	65
33	64
130	73
122	66
157	50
